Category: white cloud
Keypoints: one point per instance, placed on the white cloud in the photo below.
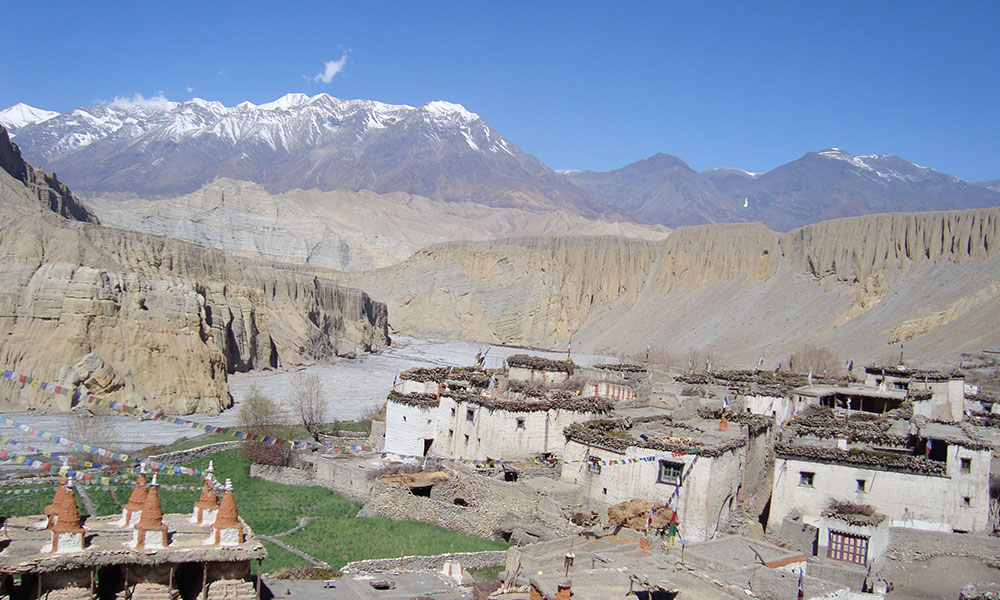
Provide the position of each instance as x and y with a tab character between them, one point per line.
331	68
189	89
157	102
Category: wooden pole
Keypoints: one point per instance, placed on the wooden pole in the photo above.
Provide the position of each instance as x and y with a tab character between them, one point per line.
93	570
204	581
260	567
38	586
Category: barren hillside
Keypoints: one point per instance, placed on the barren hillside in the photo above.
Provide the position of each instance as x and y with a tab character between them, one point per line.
858	286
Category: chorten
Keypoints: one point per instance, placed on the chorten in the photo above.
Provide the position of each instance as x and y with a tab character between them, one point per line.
67	535
133	508
151	521
227	529
207	505
50	510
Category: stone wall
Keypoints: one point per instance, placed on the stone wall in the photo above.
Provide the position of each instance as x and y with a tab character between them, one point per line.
285	475
469	560
493	508
185	456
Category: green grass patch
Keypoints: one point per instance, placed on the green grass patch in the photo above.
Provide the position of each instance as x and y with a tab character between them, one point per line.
278	558
270	508
485	575
341	540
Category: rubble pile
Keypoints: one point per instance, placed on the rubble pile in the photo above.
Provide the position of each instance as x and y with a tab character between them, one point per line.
634	514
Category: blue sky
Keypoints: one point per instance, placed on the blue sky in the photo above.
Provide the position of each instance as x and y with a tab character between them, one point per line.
578	84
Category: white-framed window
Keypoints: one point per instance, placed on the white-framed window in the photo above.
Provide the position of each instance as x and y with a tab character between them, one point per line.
670	472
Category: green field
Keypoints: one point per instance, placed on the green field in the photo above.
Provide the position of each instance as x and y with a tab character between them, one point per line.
270	508
342	540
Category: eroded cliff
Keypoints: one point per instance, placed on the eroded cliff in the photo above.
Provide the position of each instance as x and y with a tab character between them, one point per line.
152	321
856	285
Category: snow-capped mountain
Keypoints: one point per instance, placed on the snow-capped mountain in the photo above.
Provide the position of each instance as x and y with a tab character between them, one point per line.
821	185
439	150
21	114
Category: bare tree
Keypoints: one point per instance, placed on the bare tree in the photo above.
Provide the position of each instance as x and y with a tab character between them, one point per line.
261	415
258	413
308	402
817	359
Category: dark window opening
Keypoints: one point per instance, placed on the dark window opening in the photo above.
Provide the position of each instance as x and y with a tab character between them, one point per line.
470	415
421	490
806	478
966	465
520	422
861	485
427	445
670	472
966	500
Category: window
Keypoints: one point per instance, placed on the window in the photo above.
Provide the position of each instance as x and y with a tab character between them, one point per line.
466	439
453	411
848	548
404	418
594	464
451	433
966	500
806	478
670	472
966	465
520	422
470	415
861	485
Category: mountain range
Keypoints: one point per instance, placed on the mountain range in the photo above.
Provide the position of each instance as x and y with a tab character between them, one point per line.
441	151
161	148
819	186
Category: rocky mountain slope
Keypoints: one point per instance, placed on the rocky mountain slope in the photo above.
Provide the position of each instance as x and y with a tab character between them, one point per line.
338	230
819	186
160	148
150	321
857	286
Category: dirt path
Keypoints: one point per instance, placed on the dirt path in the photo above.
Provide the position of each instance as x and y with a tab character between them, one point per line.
87	502
303	521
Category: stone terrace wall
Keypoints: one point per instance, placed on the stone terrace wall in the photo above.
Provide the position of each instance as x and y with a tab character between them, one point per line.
469	560
285	475
185	456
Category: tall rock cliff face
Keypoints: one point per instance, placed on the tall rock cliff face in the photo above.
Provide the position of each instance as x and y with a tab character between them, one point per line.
156	322
858	286
533	291
46	188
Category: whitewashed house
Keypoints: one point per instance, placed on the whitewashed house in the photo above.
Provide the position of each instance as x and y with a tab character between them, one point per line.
887	465
694	464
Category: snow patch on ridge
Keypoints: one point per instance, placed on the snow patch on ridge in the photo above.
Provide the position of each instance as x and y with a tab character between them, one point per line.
21	114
